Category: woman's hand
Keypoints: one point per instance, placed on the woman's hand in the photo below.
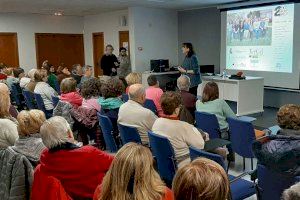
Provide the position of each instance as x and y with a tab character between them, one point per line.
182	70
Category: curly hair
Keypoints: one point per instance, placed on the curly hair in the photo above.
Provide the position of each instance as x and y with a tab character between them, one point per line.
170	101
288	117
114	87
91	88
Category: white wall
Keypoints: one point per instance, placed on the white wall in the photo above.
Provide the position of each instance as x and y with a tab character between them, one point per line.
201	27
26	25
108	23
156	32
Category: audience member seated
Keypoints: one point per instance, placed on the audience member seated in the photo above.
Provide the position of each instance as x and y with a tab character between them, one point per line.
79	169
53	70
281	152
132	113
181	134
19	73
62	73
132	176
91	91
293	193
154	93
87	73
133	78
25	80
10	80
8	133
44	89
188	99
31	84
77	73
3	76
51	77
110	101
69	92
5	105
202	179
212	104
29	142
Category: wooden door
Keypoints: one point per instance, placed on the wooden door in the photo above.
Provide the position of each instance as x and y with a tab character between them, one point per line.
9	54
124	40
59	49
98	51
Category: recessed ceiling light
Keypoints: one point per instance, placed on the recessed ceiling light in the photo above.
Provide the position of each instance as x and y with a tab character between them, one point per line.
59	13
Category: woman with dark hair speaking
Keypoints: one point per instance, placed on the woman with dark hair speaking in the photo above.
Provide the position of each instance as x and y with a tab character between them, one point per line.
190	67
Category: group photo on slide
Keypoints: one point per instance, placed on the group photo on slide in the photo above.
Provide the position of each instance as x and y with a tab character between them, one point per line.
249	28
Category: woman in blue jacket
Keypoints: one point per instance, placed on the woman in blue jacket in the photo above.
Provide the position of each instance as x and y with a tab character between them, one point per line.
190	67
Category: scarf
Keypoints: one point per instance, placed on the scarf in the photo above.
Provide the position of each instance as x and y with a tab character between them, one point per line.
110	103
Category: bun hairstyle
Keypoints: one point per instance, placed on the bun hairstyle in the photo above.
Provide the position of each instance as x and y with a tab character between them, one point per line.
30	121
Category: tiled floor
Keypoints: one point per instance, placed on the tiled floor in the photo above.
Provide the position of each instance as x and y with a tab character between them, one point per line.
236	169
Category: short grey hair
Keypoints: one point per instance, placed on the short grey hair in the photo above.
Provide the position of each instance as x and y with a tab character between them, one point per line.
292	193
136	93
86	67
184	83
55	131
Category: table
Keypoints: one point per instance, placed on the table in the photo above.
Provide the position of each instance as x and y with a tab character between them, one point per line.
247	93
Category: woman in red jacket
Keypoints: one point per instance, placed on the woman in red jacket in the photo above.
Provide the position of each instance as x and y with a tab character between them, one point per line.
78	169
69	92
132	176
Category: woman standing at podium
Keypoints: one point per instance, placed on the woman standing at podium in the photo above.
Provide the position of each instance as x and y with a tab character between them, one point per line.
190	67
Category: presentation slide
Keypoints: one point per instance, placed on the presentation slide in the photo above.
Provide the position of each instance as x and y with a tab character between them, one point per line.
260	39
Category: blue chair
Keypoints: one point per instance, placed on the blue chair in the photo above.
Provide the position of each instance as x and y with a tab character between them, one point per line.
240	188
242	135
55	101
41	106
129	134
125	97
150	105
163	152
208	123
272	184
16	92
107	131
29	99
57	86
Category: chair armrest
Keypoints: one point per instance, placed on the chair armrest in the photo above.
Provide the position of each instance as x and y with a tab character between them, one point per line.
242	175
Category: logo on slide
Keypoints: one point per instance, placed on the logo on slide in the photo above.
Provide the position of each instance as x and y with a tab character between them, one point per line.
280	11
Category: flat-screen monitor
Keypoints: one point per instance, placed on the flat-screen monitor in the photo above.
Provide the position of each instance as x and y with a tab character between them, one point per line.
159	65
207	69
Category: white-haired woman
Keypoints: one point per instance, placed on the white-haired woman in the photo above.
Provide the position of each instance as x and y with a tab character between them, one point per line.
79	169
8	133
31	84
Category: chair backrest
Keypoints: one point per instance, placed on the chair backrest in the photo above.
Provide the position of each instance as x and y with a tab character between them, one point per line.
39	102
57	86
125	97
164	154
195	153
272	184
29	99
107	131
208	123
15	93
241	135
55	101
150	105
129	134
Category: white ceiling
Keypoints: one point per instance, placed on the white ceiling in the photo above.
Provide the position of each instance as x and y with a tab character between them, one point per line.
89	7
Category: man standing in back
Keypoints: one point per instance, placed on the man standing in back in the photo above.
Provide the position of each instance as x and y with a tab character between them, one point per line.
109	62
132	113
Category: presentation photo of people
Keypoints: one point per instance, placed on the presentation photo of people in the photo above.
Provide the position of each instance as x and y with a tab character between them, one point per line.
249	28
